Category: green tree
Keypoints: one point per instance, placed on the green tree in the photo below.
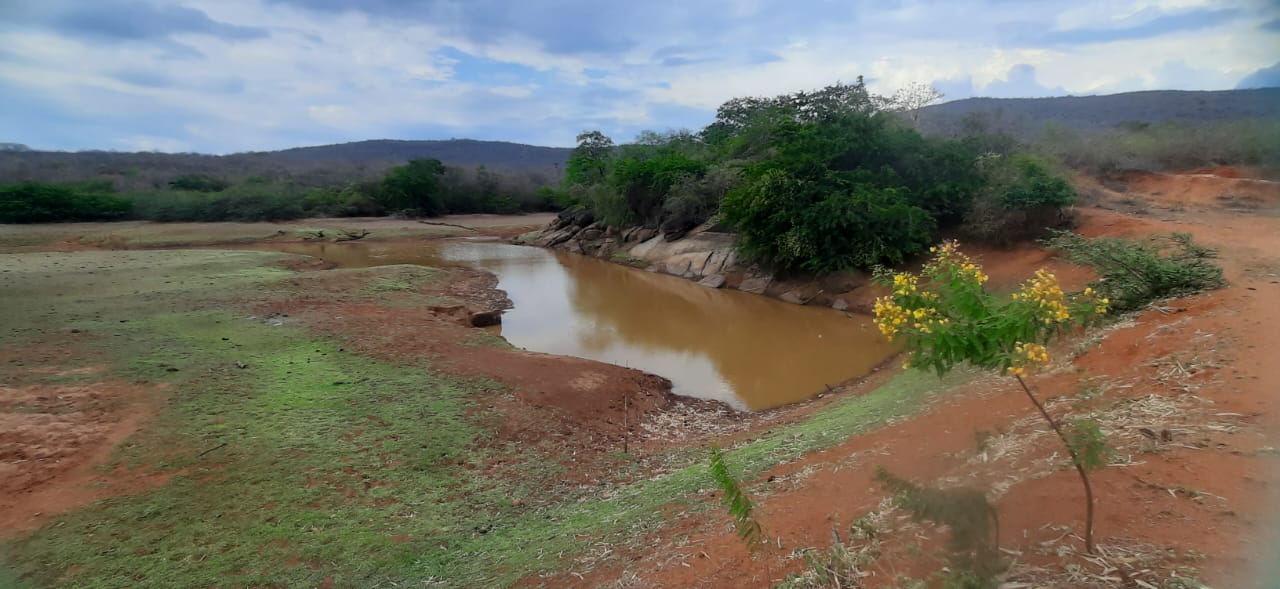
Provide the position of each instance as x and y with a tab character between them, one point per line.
589	162
34	202
643	175
415	188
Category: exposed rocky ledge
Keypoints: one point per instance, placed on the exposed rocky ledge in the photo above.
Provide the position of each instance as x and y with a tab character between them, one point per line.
702	255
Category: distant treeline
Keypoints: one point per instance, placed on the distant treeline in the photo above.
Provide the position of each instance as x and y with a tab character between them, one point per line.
420	187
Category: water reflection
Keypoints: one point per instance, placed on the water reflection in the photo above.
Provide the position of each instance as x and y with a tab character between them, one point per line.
749	351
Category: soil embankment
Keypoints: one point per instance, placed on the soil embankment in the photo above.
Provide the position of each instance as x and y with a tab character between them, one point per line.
1193	499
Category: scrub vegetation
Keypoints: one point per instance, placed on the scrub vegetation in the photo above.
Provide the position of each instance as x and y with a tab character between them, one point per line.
817	181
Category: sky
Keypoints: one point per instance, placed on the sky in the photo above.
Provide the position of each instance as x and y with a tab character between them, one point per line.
223	76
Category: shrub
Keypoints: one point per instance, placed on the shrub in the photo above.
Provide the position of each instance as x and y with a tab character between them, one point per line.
949	318
1134	273
797	224
605	203
414	188
693	200
1165	146
644	175
1022	199
245	203
33	202
199	183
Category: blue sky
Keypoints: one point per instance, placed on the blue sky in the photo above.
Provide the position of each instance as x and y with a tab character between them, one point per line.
223	76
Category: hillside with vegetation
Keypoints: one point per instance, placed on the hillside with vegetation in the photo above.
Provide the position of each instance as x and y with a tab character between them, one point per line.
371	178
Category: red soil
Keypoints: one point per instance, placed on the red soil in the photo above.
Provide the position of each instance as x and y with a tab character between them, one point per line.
53	437
1210	358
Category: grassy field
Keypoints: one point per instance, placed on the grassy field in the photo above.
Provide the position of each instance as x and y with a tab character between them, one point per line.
297	463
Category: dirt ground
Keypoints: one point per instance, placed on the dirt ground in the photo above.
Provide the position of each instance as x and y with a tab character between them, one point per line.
1196	502
1185	392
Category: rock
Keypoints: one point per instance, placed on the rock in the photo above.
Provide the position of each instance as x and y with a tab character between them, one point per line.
629	233
573	247
575	216
673	235
591	234
713	281
840	305
715	262
486	318
645	234
608	247
678	267
562	236
793	296
755	283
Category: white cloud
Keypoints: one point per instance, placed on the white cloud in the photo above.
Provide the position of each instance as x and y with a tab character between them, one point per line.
346	76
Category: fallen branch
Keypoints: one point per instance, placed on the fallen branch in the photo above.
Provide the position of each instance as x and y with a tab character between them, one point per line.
352	235
449	225
222	445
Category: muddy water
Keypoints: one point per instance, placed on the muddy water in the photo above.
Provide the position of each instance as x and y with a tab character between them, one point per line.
750	351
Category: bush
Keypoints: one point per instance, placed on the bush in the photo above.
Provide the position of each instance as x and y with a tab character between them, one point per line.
414	188
692	201
245	203
1165	146
796	224
605	203
1021	200
1134	273
199	183
33	202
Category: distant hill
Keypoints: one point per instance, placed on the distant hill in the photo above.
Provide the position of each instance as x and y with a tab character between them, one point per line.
1022	117
454	152
319	165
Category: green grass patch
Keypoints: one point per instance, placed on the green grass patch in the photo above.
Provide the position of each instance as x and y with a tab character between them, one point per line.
319	463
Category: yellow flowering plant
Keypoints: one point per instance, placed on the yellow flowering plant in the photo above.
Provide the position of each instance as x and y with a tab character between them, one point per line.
945	316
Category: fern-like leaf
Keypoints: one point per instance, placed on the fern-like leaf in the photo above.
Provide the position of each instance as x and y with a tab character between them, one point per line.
740	506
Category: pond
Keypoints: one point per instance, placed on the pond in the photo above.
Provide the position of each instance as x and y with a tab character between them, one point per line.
749	351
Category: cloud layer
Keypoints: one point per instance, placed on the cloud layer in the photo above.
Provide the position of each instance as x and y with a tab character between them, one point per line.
239	75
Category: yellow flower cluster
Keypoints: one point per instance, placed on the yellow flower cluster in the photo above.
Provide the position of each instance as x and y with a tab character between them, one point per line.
1043	290
949	255
905	284
1027	356
892	318
1100	305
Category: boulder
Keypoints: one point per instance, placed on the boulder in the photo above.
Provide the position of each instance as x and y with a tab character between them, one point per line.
591	234
840	305
794	297
677	267
756	281
713	281
644	234
608	247
486	318
561	236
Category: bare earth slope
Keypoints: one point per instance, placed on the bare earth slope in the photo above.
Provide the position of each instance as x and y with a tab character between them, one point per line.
1196	502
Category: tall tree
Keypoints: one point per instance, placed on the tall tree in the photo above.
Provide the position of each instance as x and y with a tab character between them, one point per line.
589	162
415	187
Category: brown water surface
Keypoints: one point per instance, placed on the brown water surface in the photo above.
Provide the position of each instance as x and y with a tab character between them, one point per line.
750	351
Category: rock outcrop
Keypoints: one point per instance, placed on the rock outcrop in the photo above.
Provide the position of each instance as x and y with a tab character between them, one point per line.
704	256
